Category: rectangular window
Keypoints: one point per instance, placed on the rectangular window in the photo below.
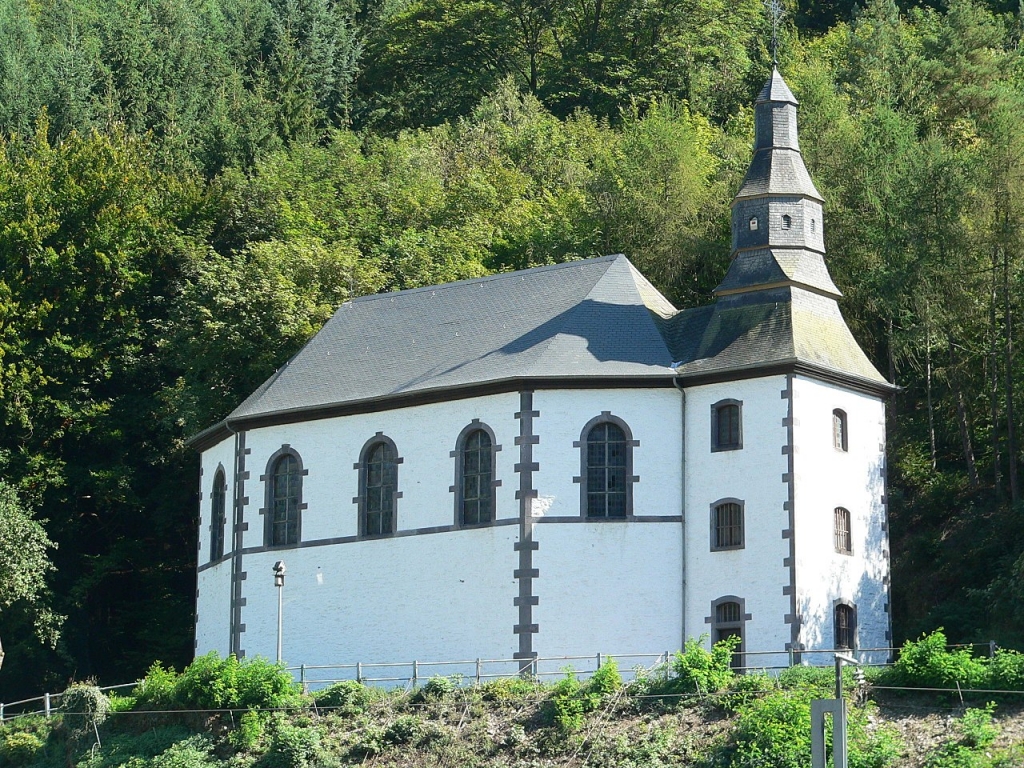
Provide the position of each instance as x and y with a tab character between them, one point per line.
844	540
726	425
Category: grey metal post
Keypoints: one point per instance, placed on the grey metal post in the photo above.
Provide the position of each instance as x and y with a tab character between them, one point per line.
1	711
598	662
279	570
415	672
792	656
302	678
46	704
991	648
839	678
478	671
359	671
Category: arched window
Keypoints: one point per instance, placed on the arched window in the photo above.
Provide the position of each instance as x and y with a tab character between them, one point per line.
727	425
753	223
844	540
787	222
378	481
284	500
814	226
606	458
845	619
727	524
727	620
218	502
839	436
474	475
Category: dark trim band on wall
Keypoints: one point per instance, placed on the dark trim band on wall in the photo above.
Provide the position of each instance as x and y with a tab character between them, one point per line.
525	628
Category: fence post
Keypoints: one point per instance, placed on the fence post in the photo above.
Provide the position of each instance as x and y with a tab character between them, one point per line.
359	671
598	662
792	656
1	711
415	672
478	671
46	704
302	678
991	648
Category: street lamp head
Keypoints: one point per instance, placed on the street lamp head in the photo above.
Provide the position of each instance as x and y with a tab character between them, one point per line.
279	570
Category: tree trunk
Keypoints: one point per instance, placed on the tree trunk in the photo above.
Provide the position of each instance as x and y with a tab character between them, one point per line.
961	417
928	379
1011	432
993	378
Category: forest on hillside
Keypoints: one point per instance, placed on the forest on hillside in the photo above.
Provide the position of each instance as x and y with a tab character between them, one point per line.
189	188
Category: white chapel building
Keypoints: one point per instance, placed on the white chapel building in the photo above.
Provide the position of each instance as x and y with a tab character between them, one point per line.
557	461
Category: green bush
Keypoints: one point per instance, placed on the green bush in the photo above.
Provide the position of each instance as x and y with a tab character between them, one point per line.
19	748
249	733
927	663
1006	671
83	706
970	748
571	700
211	682
510	688
698	670
193	752
440	686
347	697
403	730
292	746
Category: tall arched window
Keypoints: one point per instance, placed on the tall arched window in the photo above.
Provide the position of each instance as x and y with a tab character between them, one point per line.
839	433
285	501
727	619
379	487
727	425
218	503
844	539
474	475
606	471
845	620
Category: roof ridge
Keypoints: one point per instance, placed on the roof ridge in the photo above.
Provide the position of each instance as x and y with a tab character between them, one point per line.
484	278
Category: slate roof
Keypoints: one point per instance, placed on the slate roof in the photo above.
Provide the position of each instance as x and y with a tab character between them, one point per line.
593	318
765	266
775	89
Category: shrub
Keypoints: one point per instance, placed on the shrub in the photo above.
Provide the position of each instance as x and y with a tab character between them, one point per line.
976	728
698	670
347	697
606	680
440	686
405	729
121	703
975	734
773	732
193	752
291	746
19	748
210	682
510	688
927	663
84	706
1007	670
249	733
570	700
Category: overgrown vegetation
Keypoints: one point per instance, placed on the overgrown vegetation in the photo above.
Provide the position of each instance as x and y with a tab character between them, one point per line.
741	721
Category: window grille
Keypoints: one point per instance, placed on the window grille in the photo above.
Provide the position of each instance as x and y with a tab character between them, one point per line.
285	495
217	516
839	437
787	222
844	540
477	476
728	526
606	465
845	626
381	482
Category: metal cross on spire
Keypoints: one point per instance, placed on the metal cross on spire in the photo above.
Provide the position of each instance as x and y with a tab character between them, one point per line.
775	11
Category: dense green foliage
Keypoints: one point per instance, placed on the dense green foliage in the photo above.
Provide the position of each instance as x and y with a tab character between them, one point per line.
600	722
189	188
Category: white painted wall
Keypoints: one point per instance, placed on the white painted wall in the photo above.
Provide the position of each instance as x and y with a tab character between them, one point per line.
213	601
754	474
827	478
610	587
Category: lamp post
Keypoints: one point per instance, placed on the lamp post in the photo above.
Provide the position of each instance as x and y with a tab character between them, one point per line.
279	570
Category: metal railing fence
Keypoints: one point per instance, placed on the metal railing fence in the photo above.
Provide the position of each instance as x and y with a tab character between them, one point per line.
477	671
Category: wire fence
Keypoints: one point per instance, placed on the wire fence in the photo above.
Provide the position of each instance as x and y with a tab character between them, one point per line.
476	671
